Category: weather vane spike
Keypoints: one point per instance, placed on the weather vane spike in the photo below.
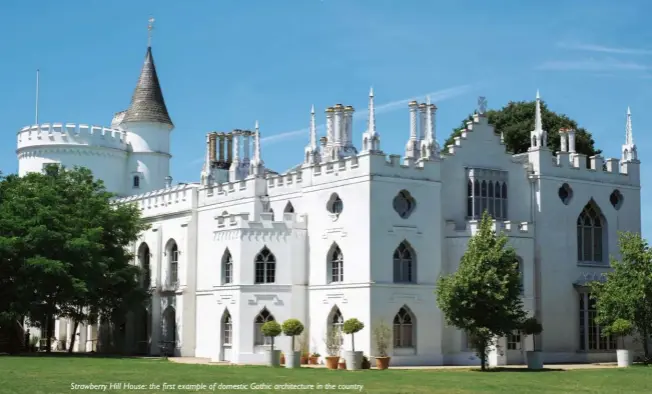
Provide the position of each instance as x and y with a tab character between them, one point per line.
482	105
150	27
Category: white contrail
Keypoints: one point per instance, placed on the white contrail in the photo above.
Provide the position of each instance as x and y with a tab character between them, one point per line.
436	96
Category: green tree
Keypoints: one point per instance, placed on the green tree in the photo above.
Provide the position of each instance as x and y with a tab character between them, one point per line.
516	120
64	244
483	297
627	291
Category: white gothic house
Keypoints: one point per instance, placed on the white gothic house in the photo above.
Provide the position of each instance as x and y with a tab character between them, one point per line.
349	231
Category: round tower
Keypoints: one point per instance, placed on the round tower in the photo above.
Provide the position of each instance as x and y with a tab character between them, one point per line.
148	126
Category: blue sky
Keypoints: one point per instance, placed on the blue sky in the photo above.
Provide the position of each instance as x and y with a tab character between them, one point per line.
225	64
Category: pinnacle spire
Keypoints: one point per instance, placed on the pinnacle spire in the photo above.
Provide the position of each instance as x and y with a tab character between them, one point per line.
372	113
629	136
147	103
538	124
313	129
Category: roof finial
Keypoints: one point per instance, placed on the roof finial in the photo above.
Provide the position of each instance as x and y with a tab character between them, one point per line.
313	129
257	158
150	27
629	136
538	124
372	113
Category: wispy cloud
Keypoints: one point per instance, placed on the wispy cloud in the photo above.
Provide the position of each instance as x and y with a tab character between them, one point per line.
592	65
603	49
436	96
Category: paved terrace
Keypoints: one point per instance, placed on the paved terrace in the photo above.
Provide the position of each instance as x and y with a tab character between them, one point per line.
206	361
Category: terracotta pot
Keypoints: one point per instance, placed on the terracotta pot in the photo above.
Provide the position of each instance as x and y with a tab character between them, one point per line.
313	360
331	362
282	359
304	360
382	362
342	365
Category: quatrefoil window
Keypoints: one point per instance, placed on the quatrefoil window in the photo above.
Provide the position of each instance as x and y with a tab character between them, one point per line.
404	204
565	193
616	199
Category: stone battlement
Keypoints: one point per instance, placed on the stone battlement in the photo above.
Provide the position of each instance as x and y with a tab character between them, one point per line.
71	134
265	222
164	201
511	229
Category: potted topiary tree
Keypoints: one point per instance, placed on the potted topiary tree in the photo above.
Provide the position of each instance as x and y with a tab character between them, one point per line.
272	329
531	326
382	334
353	359
333	342
292	328
621	328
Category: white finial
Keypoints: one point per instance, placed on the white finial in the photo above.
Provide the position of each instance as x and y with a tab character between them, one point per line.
313	129
538	124
428	99
150	27
257	159
629	136
371	127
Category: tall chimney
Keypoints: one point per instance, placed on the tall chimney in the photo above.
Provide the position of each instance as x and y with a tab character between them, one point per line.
348	116
330	138
220	149
212	146
422	121
246	147
229	147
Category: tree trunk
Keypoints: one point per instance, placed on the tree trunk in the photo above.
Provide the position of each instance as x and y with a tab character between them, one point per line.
48	334
482	351
353	342
272	344
293	343
75	325
646	349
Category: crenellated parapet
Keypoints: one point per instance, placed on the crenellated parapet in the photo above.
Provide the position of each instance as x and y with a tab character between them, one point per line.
70	134
264	222
164	201
509	228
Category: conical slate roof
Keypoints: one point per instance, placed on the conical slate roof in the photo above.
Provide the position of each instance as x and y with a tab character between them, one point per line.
147	103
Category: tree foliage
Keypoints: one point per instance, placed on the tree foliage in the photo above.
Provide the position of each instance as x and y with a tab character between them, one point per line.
64	249
483	297
626	294
516	120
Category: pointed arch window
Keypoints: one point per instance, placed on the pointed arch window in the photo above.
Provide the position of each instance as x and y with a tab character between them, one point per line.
404	325
265	266
169	330
144	257
227	328
336	264
263	317
591	231
289	208
335	324
173	263
227	267
404	264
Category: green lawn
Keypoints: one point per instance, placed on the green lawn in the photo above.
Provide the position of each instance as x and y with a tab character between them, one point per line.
57	374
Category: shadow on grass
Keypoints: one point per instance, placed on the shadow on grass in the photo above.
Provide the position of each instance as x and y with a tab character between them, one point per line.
79	355
502	369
